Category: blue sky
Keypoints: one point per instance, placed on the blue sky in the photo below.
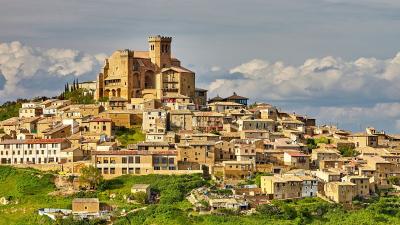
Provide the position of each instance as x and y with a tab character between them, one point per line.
335	60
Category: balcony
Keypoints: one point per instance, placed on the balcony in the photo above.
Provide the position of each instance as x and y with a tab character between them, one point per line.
170	89
170	81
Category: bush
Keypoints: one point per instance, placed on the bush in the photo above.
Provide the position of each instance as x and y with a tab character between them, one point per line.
140	197
171	196
78	96
348	152
268	210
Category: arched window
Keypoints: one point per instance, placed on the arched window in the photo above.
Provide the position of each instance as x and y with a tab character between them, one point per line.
149	80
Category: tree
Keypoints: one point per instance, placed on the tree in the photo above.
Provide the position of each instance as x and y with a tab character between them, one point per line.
392	179
348	152
311	143
91	176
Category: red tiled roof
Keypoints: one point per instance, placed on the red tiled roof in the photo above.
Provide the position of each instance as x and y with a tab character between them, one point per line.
135	152
44	141
101	120
296	154
34	141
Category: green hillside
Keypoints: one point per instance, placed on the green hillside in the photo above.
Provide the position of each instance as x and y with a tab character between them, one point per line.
28	189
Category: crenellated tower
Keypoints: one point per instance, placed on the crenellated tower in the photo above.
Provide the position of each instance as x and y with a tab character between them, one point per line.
160	51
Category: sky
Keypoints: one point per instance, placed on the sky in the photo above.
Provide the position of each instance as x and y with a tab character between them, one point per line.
335	60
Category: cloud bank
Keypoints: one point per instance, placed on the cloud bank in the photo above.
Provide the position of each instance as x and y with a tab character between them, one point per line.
356	93
27	71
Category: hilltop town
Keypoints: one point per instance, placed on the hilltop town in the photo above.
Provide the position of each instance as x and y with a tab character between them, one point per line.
144	115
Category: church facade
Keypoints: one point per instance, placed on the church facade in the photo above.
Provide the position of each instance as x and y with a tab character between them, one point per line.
152	74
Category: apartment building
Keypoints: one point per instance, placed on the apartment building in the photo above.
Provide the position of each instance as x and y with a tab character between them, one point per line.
340	192
195	155
138	162
154	121
100	126
208	121
256	124
33	151
181	119
309	186
364	139
379	169
245	151
296	159
318	155
363	186
224	151
234	170
222	107
282	186
33	111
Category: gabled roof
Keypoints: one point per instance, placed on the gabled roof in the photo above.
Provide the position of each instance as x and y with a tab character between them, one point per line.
177	69
82	200
236	97
216	99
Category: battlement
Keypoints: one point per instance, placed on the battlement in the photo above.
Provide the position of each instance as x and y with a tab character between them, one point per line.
125	53
159	38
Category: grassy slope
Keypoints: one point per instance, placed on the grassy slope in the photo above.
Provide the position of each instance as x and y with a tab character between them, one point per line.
30	188
130	136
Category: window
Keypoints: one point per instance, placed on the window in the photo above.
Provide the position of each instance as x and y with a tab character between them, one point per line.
137	159
124	160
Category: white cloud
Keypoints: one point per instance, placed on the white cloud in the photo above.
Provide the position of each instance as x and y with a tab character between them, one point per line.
22	65
321	81
381	116
363	92
215	69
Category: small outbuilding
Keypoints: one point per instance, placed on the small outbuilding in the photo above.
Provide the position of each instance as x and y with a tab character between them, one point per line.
86	206
141	188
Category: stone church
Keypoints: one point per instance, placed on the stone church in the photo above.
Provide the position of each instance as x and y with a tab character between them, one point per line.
152	74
